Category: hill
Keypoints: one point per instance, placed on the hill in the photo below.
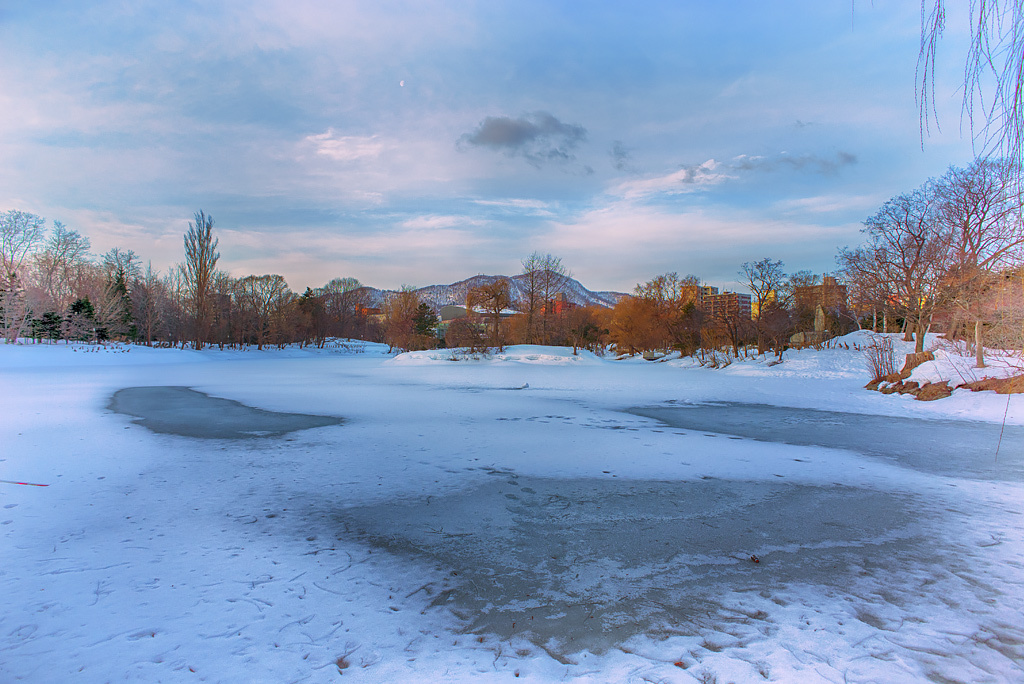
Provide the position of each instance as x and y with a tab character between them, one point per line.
455	293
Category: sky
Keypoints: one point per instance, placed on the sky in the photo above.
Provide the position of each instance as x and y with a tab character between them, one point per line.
425	142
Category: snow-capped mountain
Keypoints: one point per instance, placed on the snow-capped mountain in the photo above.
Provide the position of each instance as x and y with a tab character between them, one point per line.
455	293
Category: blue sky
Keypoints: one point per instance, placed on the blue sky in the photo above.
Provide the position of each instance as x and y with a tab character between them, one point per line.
421	142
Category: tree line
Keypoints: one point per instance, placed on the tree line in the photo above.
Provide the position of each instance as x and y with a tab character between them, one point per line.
947	255
54	289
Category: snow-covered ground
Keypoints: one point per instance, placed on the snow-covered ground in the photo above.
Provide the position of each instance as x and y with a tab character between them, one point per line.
517	518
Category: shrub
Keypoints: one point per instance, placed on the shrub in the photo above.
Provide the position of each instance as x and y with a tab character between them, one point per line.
880	356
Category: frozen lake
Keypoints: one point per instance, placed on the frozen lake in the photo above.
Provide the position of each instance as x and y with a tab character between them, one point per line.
945	447
588	563
210	517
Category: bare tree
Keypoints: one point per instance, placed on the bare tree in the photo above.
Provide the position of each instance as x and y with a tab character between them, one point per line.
767	282
980	209
904	257
465	333
634	326
200	261
345	302
20	232
58	266
264	298
149	302
493	298
802	309
775	325
114	308
673	301
543	278
112	313
176	316
400	310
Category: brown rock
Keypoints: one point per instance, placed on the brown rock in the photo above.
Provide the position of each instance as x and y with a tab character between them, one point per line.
910	387
1012	385
890	389
873	385
930	391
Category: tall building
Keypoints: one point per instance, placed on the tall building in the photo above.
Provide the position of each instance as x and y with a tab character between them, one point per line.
829	295
726	305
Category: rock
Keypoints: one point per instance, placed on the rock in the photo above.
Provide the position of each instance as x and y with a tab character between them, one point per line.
909	387
873	385
930	391
890	389
1011	385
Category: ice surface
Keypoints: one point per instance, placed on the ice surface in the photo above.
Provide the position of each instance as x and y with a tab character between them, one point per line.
588	563
402	546
186	412
947	447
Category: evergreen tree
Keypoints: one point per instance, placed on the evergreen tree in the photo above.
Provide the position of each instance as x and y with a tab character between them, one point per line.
46	327
80	322
425	321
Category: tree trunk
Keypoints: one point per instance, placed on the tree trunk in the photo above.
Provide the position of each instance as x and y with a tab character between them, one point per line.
919	344
979	348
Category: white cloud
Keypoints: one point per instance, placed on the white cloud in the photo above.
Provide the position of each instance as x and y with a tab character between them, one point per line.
346	147
686	179
514	203
824	204
434	222
520	206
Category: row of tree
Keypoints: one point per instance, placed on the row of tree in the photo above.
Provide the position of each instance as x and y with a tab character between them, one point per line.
948	256
670	312
664	314
949	253
53	289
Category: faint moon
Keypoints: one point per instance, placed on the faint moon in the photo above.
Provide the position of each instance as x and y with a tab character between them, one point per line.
401	83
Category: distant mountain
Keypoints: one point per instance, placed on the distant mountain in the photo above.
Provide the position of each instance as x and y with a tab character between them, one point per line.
442	295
